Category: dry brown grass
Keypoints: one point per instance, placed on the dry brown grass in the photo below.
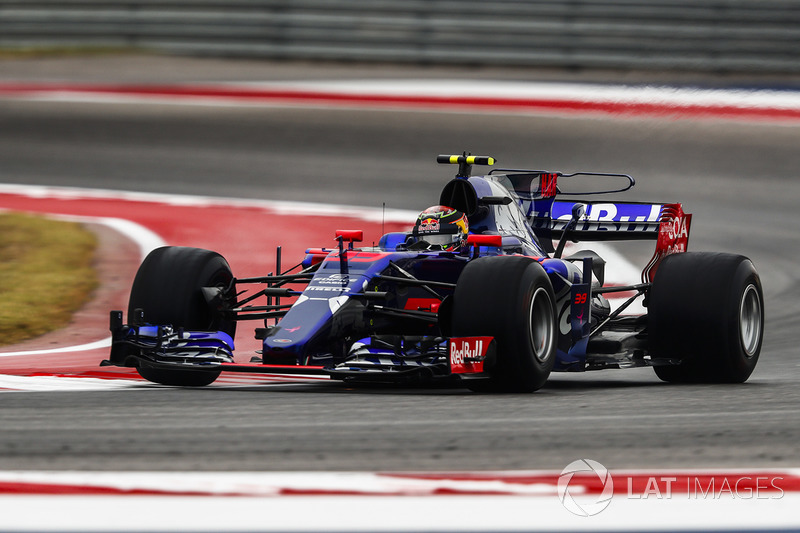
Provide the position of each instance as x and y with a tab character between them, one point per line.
46	274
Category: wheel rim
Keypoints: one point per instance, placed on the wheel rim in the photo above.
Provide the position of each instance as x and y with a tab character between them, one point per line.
750	320
541	321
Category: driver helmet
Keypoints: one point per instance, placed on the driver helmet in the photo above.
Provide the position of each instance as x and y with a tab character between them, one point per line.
442	227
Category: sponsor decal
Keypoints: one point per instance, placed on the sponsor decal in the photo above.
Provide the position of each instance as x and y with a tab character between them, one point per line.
429	225
282	341
333	279
328	289
673	238
467	354
549	185
565	320
673	235
603	216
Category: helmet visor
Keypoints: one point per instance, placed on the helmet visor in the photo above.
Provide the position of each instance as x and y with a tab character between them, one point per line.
446	241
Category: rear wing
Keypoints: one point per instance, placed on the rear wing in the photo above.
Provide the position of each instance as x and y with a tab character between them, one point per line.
665	223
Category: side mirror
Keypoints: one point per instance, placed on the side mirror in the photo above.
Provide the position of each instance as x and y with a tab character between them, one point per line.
350	235
485	240
476	241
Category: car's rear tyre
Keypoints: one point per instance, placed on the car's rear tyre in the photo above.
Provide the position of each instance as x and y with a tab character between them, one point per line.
167	288
512	300
706	310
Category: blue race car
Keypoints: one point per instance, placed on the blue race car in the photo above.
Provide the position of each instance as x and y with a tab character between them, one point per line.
480	294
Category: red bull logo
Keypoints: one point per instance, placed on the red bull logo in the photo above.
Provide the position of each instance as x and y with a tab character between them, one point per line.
429	225
467	354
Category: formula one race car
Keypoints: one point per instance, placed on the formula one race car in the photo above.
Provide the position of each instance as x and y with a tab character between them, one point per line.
478	293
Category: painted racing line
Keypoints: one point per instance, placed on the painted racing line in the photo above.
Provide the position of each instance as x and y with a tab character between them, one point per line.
458	96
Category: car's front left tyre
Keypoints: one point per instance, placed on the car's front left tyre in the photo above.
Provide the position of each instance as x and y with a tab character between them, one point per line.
167	288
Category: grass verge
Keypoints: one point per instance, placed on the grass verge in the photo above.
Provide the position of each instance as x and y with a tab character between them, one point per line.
46	274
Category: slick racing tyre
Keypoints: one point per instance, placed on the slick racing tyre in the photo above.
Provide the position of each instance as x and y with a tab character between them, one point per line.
512	300
167	288
707	311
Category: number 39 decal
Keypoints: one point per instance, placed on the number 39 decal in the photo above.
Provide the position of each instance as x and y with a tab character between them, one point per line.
580	298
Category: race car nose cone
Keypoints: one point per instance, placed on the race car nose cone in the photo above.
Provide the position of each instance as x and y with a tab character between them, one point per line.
304	329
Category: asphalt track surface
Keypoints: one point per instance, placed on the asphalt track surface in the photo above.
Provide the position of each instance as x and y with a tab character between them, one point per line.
739	179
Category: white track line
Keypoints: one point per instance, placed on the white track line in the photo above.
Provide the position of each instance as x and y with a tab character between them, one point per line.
64	384
280	207
531	90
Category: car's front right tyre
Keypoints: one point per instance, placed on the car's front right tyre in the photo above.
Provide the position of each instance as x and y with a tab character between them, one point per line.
512	300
